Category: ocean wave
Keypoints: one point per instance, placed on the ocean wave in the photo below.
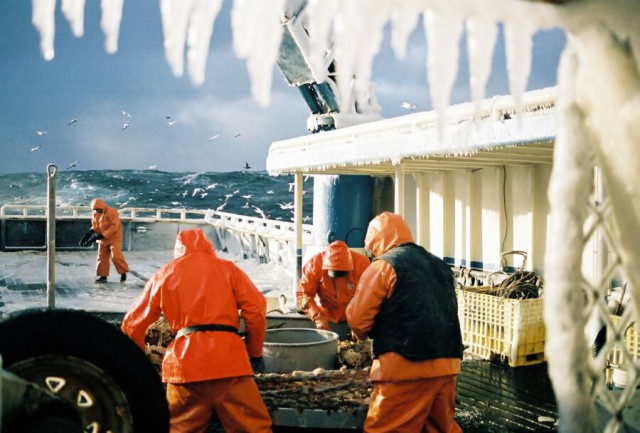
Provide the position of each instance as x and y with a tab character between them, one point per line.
251	193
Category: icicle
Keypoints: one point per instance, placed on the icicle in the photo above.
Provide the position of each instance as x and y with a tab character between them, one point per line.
318	23
190	21
518	36
404	18
377	14
257	33
199	38
73	11
348	28
443	37
481	39
110	23
43	19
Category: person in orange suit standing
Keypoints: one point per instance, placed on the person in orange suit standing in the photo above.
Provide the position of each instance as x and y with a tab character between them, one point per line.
332	275
106	229
208	368
405	301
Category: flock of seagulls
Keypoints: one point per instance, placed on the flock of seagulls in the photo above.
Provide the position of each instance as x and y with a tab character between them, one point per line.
170	122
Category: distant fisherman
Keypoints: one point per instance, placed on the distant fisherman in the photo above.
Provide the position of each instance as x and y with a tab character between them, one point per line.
106	229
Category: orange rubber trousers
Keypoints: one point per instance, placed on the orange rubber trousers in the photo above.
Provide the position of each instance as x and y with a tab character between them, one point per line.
236	402
113	252
416	406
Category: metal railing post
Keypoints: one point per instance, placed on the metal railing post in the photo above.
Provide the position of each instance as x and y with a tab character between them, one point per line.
51	235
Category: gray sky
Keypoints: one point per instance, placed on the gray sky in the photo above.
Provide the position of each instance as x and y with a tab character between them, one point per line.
83	82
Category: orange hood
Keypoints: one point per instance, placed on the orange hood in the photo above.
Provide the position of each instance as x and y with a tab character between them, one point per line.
337	257
386	231
192	241
98	203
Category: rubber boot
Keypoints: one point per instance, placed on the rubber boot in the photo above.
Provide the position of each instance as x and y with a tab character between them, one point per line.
123	277
101	280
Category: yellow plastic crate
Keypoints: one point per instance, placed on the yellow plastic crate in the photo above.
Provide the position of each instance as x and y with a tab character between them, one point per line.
508	329
631	340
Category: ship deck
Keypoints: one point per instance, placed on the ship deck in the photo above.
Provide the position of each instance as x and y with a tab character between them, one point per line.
492	398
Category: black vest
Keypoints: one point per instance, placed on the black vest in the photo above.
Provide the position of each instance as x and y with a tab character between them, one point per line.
420	319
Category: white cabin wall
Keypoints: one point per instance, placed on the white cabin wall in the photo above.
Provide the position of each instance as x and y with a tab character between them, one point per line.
410	207
471	217
422	209
436	234
541	215
520	214
461	219
489	184
449	216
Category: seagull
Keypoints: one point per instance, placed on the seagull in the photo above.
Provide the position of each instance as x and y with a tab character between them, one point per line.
408	105
72	121
219	208
204	194
73	164
248	196
214	137
238	134
152	167
170	123
246	206
291	185
270	191
259	212
124	113
125	125
285	206
228	196
246	165
213	185
41	133
197	191
35	149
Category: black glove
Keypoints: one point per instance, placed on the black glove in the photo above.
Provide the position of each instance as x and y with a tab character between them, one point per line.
85	239
257	364
92	238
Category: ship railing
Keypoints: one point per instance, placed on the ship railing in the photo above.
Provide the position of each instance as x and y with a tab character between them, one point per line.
252	237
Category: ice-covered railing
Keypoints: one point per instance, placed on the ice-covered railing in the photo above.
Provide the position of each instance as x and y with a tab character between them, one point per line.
269	241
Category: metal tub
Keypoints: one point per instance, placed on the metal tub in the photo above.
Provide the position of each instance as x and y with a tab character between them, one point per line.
289	349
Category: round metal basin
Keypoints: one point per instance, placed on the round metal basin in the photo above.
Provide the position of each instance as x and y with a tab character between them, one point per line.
289	349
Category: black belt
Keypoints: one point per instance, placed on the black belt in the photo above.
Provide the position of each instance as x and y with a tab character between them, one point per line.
211	327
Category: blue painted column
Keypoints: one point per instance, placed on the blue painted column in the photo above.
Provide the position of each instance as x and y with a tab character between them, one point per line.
342	209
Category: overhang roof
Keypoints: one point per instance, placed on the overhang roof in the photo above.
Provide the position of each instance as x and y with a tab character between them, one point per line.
498	138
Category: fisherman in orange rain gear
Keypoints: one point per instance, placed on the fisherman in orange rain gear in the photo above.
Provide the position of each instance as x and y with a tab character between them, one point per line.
106	229
332	275
208	368
406	302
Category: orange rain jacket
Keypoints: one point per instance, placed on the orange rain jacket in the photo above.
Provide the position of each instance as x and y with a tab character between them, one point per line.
386	231
107	224
334	293
198	288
